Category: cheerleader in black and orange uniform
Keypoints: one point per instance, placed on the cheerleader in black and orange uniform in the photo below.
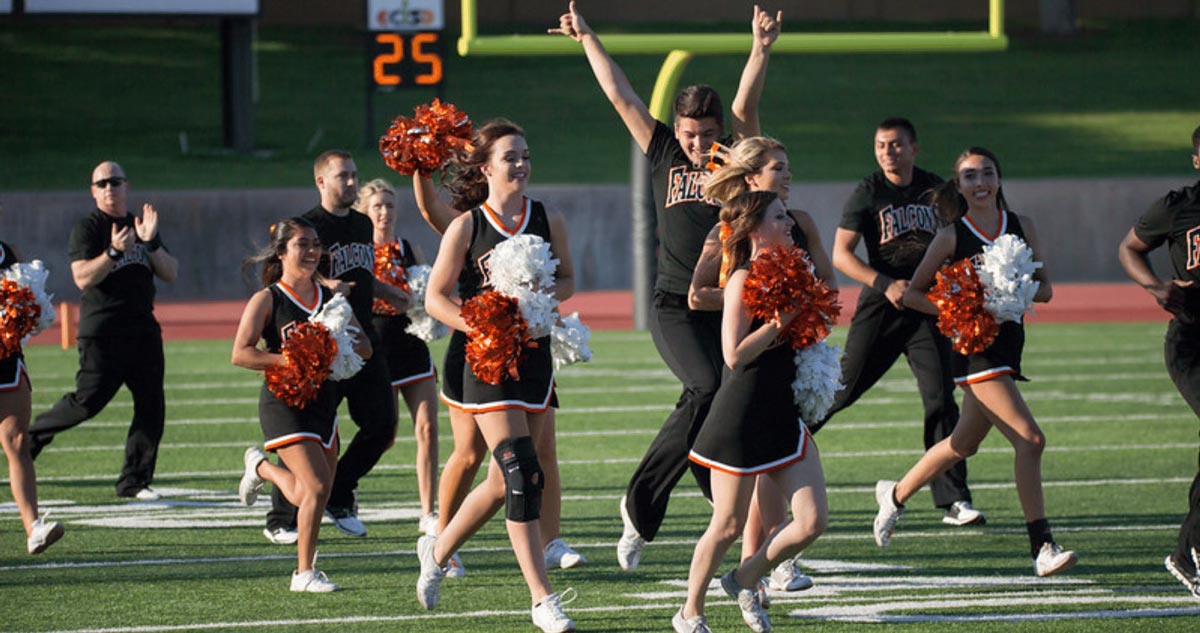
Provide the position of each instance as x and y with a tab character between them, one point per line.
509	414
15	412
305	437
753	429
469	447
975	213
409	362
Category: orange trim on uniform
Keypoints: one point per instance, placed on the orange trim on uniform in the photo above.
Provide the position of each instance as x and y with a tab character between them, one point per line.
983	234
983	376
504	407
784	463
292	293
499	223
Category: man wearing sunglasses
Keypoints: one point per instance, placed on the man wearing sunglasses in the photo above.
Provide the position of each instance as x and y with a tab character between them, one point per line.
115	257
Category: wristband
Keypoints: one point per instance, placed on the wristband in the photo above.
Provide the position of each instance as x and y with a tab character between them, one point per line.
113	253
881	283
154	244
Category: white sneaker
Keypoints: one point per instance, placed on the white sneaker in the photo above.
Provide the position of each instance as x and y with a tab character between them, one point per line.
629	548
559	554
1191	581
281	536
548	614
429	582
753	613
787	576
889	512
428	524
251	483
1052	559
43	535
312	581
455	569
695	624
346	521
147	494
961	513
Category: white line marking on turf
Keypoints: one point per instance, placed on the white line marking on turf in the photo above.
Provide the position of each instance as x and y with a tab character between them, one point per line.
878	612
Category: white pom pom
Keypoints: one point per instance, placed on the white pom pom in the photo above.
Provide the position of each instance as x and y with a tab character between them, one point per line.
818	379
335	315
569	342
33	275
1007	274
538	309
521	261
421	324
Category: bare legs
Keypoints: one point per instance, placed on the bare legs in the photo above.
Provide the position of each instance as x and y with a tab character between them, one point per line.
16	409
421	399
305	483
488	497
802	483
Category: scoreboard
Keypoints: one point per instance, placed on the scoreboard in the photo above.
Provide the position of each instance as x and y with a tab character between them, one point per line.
404	44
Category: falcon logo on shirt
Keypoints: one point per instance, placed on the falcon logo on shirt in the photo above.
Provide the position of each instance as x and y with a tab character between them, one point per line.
683	185
1193	248
346	257
134	255
897	221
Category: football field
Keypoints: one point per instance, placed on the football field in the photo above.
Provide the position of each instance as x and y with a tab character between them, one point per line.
1122	451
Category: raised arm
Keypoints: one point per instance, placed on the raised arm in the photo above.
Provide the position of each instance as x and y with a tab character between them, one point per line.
745	103
164	264
612	79
940	249
437	214
1133	253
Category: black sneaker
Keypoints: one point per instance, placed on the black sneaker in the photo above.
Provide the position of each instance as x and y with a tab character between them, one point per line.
1184	572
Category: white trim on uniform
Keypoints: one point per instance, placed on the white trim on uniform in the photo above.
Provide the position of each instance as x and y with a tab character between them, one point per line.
979	232
291	438
425	375
986	374
801	449
16	380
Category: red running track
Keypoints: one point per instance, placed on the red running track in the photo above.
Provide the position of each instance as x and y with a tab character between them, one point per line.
613	310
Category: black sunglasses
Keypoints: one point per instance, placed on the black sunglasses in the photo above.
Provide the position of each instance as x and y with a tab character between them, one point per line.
104	183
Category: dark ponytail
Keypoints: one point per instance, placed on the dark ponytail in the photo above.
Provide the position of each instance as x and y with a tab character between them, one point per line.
948	203
269	256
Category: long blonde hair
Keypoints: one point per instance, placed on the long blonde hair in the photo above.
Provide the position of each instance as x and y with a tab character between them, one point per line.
747	156
741	214
369	189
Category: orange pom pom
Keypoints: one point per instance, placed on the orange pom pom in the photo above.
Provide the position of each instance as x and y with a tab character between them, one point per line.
19	316
781	280
307	355
427	140
499	336
958	295
389	270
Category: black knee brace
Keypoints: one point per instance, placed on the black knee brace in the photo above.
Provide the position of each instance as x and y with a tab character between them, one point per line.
522	479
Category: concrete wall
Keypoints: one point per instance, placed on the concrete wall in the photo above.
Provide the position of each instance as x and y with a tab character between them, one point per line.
499	15
1080	222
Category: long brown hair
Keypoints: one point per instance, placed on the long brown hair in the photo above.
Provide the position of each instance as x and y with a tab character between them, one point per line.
741	214
270	255
469	185
949	204
747	156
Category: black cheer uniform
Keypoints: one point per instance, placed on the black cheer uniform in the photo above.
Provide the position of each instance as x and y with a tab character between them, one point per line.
689	341
407	356
754	424
12	368
1003	356
349	255
120	343
533	392
1174	219
897	224
283	425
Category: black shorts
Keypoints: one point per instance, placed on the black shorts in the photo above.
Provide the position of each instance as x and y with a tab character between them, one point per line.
408	358
532	392
1002	357
283	425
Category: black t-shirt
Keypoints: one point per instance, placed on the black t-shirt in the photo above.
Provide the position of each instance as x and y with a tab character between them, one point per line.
123	303
684	216
897	223
1175	219
7	256
349	245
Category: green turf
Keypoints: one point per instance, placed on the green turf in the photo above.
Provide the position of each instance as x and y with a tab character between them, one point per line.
1122	451
1118	101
